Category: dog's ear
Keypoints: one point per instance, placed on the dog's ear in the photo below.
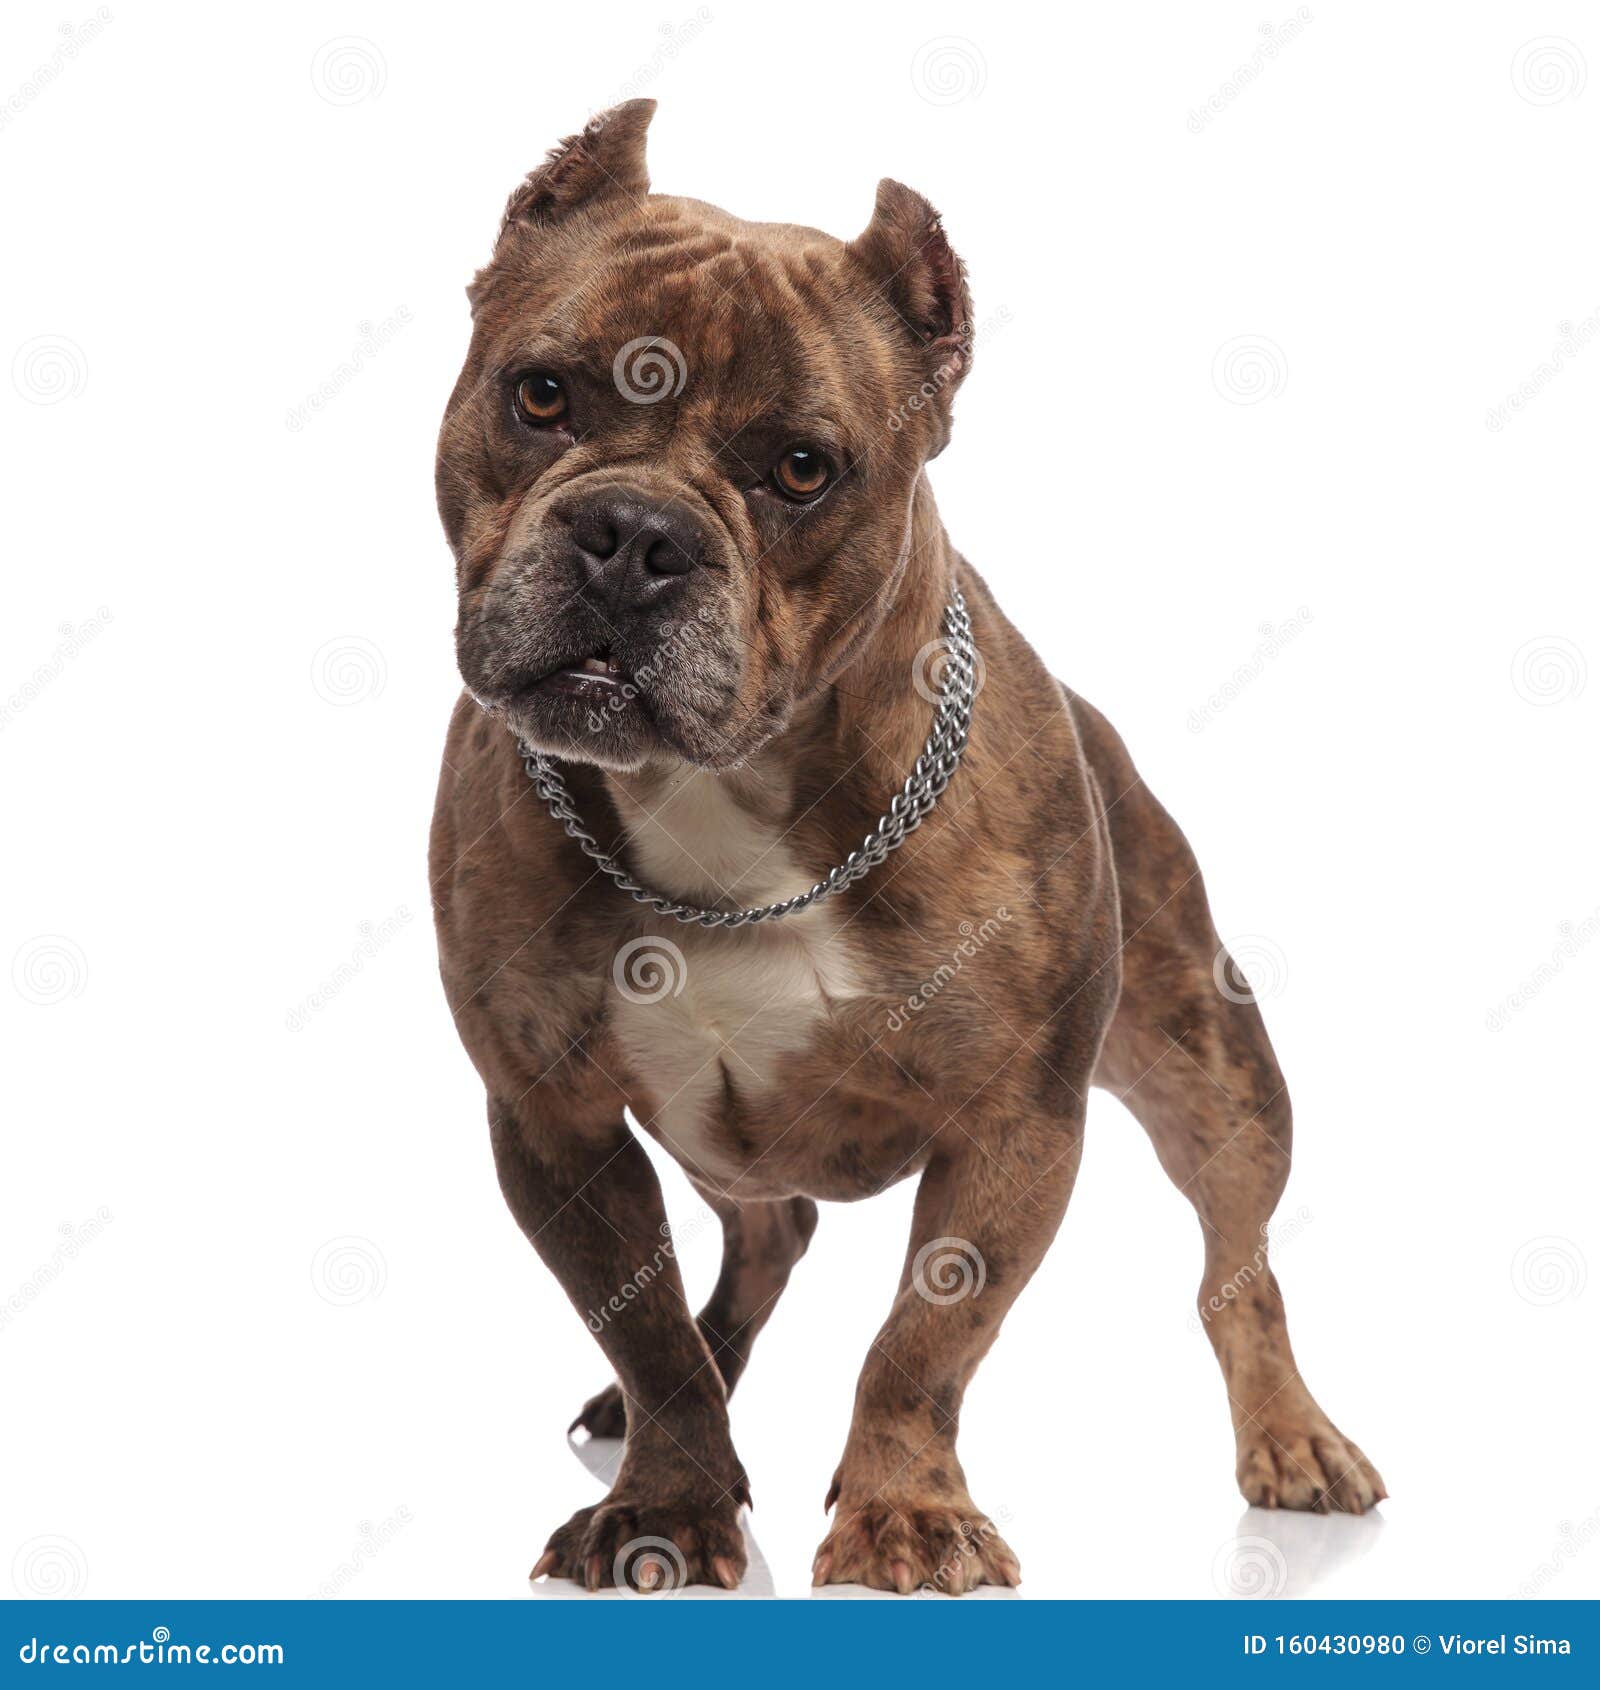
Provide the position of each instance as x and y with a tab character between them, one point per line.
911	263
606	157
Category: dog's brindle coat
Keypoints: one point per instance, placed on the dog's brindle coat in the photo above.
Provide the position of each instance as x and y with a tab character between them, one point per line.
773	645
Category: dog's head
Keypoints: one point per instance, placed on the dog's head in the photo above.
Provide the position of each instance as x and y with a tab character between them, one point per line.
677	470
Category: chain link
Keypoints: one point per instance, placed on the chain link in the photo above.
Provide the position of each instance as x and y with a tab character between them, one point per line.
911	804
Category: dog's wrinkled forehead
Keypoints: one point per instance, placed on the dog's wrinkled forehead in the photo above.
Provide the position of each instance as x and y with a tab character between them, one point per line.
672	300
667	298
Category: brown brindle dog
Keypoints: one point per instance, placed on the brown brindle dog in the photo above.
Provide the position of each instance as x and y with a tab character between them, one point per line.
700	567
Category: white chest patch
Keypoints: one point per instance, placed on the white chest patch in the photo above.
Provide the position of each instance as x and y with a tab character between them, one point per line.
698	1010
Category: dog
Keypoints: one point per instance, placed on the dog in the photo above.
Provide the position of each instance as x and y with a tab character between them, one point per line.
705	601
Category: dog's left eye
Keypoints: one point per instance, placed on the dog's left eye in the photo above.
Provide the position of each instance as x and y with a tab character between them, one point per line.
802	474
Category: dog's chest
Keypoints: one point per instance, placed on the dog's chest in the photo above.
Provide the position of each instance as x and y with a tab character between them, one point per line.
710	1020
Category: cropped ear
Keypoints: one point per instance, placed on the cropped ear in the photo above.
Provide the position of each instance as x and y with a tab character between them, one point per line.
905	251
606	157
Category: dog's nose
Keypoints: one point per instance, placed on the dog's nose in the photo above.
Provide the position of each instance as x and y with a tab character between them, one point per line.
633	550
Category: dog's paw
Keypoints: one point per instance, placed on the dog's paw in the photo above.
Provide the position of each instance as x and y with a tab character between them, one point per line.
639	1543
1300	1459
603	1415
907	1545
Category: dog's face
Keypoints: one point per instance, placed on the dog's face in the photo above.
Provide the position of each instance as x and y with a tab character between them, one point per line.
677	470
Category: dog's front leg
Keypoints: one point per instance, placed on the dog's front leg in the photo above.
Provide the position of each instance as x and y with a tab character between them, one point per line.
986	1211
590	1204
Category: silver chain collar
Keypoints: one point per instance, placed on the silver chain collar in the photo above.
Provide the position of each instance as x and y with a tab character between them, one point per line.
939	760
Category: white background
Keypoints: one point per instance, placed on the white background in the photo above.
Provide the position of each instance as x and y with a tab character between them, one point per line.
226	664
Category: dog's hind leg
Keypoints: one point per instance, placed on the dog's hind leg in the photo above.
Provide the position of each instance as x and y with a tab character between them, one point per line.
1188	1053
761	1242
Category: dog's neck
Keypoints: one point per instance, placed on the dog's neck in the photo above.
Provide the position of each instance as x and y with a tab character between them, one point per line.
718	835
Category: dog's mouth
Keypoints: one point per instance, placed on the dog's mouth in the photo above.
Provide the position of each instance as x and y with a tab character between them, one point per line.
597	677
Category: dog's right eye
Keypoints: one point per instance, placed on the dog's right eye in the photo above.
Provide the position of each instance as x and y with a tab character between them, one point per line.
541	400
